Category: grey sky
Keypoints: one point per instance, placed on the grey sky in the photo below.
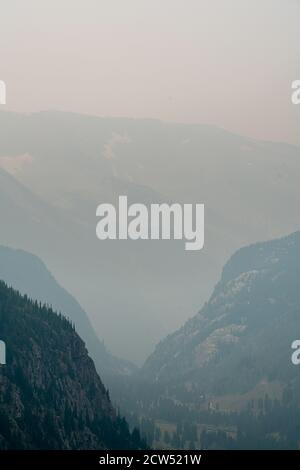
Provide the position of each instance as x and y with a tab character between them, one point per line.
228	63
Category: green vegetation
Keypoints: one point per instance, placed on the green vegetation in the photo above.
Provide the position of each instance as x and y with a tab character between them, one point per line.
50	394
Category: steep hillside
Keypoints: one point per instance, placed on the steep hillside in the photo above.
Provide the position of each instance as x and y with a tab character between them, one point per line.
28	274
50	394
242	337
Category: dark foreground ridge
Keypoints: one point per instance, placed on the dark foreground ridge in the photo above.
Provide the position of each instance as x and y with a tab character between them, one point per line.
50	394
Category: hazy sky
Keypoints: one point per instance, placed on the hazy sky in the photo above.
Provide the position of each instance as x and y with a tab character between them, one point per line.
223	62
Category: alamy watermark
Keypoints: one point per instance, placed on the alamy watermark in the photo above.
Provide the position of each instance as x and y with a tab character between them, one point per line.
296	354
2	92
159	222
2	353
296	92
2	343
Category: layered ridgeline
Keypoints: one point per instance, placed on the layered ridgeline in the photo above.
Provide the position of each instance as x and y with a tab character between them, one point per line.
239	344
226	378
29	275
62	166
50	394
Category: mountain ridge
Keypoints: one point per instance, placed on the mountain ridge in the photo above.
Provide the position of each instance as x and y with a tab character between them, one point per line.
75	162
29	275
247	326
51	396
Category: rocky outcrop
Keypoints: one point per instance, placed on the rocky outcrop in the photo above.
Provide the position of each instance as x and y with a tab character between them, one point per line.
50	394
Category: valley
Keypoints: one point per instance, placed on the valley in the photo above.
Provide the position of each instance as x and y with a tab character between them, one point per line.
223	377
66	174
226	376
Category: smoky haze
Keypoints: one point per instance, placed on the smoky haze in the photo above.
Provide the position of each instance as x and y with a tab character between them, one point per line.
229	64
182	101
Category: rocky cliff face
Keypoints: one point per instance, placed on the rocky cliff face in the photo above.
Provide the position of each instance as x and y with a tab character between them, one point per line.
243	335
50	394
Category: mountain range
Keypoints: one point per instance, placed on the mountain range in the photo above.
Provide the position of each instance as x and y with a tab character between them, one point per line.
62	166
